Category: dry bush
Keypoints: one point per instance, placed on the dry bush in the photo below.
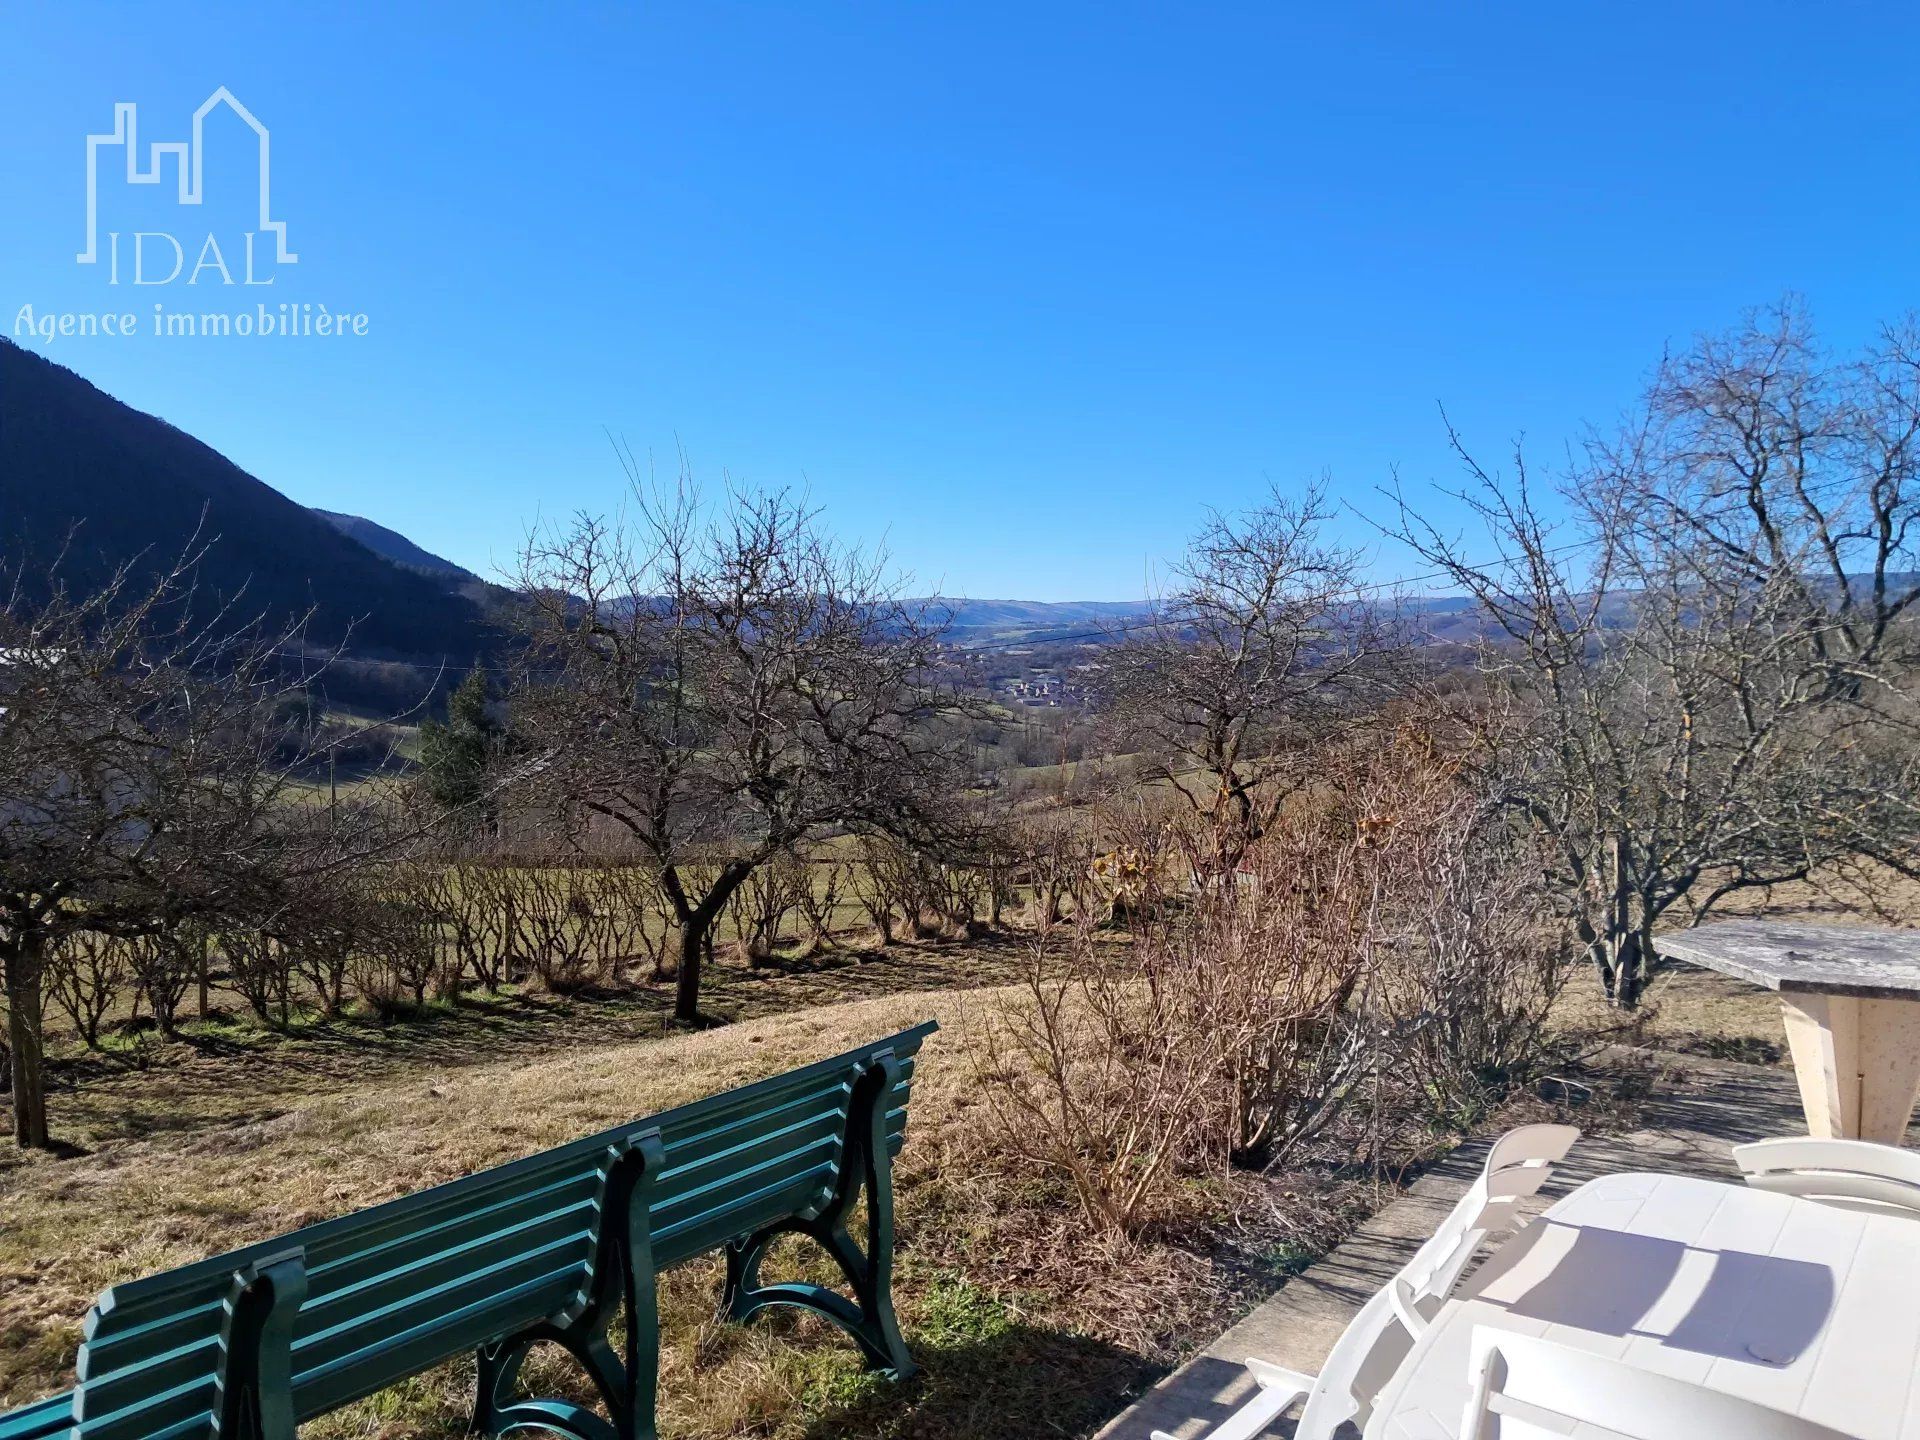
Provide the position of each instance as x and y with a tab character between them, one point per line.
1373	929
820	900
572	922
1057	872
1226	1035
85	974
1272	966
260	970
629	898
886	884
1481	956
467	923
961	892
399	950
479	903
1002	867
165	966
559	931
322	955
928	894
660	928
1093	1077
764	901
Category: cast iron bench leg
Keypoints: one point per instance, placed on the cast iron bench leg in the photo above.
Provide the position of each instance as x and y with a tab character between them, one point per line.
622	1283
865	1161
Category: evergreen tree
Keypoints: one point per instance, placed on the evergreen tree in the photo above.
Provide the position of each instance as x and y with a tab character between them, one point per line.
455	754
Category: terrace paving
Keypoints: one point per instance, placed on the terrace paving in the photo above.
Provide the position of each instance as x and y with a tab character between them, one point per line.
1685	1130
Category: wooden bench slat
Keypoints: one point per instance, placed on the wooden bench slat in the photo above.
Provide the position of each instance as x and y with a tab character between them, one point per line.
577	1198
547	1276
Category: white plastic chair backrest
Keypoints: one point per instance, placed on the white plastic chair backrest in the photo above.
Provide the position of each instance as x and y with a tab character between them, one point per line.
1850	1174
1519	1163
1358	1368
1380	1336
1546	1388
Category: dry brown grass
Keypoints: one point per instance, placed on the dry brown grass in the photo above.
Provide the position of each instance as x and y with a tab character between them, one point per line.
1701	1012
1023	1330
224	1075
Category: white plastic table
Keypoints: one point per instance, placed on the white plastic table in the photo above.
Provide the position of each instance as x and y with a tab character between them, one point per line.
1787	1302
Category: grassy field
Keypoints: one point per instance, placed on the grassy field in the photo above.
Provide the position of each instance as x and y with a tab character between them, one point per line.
1023	1329
230	1071
1026	1328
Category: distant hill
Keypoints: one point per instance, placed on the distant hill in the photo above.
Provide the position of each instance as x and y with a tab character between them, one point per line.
84	474
1013	619
394	546
108	485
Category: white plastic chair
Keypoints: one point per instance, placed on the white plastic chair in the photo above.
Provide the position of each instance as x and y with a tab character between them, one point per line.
1850	1174
1520	1162
1378	1338
1547	1388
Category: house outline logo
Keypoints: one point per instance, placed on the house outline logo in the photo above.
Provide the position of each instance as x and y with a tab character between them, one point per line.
188	157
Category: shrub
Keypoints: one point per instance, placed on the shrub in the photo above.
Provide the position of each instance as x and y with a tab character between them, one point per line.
1379	927
85	973
1092	1077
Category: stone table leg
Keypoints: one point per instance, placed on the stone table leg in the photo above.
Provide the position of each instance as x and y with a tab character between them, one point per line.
1858	1064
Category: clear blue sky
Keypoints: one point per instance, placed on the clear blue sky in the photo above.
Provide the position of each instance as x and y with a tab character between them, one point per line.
1018	288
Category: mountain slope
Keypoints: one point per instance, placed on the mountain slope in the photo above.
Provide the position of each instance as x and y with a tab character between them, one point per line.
392	545
82	473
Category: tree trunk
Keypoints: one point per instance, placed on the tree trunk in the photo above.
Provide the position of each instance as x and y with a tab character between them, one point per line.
24	1034
1630	970
686	985
696	940
1621	948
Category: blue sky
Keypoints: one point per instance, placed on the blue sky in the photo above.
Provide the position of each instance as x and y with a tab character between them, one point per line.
1017	289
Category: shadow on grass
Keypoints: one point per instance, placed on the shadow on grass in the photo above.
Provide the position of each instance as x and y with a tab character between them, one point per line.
1018	1382
231	1069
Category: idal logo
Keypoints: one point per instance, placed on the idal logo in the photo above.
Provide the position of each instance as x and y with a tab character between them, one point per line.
160	257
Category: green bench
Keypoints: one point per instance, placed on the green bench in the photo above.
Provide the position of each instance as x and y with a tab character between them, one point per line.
555	1247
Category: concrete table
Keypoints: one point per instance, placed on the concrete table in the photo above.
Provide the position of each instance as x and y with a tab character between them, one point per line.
1852	1003
1789	1303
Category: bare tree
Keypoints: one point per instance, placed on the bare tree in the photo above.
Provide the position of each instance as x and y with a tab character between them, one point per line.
725	687
1702	679
1266	640
144	774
